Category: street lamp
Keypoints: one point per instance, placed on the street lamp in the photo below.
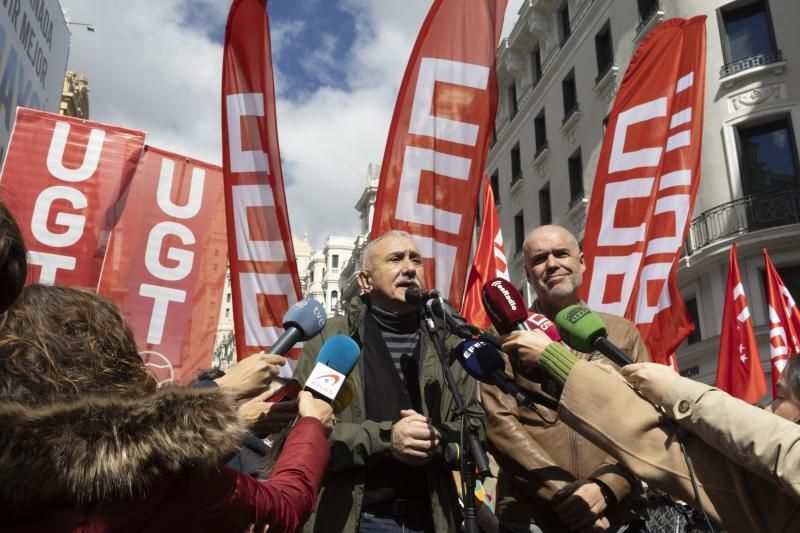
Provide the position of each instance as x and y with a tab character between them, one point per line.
88	26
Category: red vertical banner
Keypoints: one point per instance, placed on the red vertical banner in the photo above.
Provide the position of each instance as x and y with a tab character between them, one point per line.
784	322
739	370
489	262
165	266
62	180
263	267
646	183
439	138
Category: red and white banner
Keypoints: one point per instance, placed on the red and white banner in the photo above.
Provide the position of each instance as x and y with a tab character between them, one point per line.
263	267
62	180
647	179
739	370
784	322
165	266
489	262
439	138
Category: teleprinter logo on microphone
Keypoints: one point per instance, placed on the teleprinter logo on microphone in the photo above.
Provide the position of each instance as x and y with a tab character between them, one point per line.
499	286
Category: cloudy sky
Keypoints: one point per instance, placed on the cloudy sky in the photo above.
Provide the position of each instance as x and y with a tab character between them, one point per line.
156	65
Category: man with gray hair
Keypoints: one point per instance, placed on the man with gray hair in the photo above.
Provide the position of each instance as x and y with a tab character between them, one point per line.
386	471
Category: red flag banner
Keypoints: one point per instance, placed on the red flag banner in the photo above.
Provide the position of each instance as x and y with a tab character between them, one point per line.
784	322
62	180
645	187
489	262
165	266
439	137
739	370
263	267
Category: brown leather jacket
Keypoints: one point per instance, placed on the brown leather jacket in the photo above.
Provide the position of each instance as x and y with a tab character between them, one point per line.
538	454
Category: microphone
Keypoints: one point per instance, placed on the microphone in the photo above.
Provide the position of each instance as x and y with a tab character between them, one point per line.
583	330
457	323
416	296
303	321
335	361
506	309
483	362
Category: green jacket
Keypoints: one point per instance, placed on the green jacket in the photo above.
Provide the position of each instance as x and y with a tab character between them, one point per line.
357	443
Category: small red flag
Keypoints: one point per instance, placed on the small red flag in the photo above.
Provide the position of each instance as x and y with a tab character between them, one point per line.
489	262
739	371
784	322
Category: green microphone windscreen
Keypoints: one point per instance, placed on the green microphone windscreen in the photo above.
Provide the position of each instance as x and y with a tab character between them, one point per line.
579	326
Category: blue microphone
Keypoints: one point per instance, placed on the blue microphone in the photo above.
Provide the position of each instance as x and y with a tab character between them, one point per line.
483	362
303	321
337	358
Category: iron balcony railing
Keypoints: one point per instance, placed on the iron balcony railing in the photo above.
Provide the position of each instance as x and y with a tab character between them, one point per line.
749	213
747	63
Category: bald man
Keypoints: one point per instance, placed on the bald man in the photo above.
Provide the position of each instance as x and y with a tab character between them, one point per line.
553	479
386	473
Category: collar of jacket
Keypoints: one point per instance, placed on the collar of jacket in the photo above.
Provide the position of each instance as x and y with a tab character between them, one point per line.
101	448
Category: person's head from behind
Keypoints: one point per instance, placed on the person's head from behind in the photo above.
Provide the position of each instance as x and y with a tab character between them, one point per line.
391	264
59	344
13	259
787	402
554	266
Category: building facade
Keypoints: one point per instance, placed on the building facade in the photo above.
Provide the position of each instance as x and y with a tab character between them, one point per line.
558	73
75	96
324	272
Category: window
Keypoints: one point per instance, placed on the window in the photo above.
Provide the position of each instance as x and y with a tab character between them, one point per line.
512	100
334	261
696	335
647	8
519	232
536	66
747	32
334	300
311	275
604	50
516	164
605	125
563	23
569	94
545	211
575	166
494	180
227	312
540	131
228	298
768	157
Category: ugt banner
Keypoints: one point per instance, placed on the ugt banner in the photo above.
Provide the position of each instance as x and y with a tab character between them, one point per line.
165	266
645	187
439	137
62	180
263	267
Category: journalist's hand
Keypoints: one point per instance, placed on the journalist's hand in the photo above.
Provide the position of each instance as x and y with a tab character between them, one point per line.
264	418
414	439
251	375
580	504
319	409
528	345
651	379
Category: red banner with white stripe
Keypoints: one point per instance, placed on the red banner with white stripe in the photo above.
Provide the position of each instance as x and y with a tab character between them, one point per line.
784	322
439	138
489	262
62	180
263	267
739	370
165	266
646	183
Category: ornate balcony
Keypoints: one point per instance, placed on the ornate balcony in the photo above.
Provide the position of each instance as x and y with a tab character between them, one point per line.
759	60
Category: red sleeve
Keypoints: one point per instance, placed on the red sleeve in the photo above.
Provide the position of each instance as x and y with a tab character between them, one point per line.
285	501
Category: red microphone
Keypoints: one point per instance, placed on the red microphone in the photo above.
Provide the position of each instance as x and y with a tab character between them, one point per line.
506	309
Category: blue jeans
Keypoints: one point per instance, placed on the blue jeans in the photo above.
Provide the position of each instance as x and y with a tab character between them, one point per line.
371	523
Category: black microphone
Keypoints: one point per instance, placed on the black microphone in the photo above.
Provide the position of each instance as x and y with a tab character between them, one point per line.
416	296
483	362
303	321
457	323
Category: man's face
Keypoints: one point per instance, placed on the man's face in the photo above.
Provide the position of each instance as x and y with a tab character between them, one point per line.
554	265
395	264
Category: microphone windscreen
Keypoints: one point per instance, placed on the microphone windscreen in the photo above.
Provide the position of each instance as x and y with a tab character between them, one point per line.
340	353
414	295
537	321
307	315
579	326
480	359
504	305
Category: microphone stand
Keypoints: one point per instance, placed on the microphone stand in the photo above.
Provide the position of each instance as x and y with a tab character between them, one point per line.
476	456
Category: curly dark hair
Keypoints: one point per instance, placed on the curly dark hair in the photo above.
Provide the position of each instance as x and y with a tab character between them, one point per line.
13	259
62	343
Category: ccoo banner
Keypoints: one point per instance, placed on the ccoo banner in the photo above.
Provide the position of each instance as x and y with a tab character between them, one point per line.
62	180
647	179
439	137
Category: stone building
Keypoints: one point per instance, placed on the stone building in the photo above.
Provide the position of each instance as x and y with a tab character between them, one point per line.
75	96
